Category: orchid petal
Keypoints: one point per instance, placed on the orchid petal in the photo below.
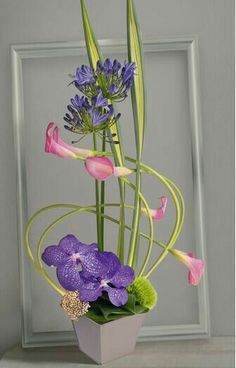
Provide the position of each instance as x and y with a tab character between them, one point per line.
69	277
90	292
95	265
113	263
195	266
158	213
71	245
59	148
68	244
117	297
123	277
53	256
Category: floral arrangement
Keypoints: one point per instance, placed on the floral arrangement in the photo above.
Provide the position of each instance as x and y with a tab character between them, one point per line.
93	281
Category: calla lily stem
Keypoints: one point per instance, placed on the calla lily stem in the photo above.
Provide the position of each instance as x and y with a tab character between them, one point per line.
98	216
177	228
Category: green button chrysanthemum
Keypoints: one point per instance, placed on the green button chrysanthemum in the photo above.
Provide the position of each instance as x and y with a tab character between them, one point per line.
144	292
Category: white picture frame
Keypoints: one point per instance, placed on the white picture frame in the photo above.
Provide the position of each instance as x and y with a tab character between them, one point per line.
59	49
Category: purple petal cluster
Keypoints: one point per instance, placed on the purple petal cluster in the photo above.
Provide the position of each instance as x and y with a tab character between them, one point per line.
82	267
92	112
84	76
116	80
85	115
112	78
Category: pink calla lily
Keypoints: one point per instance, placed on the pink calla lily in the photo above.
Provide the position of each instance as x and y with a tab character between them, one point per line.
59	148
158	213
195	266
101	168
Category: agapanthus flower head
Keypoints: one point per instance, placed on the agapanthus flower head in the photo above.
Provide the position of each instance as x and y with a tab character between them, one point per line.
90	116
115	80
111	77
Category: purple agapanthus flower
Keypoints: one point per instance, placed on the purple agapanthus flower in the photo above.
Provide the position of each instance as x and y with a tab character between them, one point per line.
128	72
102	271
80	102
84	75
67	256
115	79
90	115
99	100
99	117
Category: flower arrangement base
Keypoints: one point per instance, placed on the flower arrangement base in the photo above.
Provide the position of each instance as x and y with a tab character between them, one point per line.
108	341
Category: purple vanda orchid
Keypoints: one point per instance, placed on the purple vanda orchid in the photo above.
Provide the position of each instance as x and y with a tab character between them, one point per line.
104	272
101	168
83	268
158	213
61	149
67	256
195	266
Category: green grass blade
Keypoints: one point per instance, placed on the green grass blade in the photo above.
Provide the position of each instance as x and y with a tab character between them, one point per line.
95	54
138	88
138	106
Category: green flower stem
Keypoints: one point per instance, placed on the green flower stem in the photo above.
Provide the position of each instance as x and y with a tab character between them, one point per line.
167	247
178	221
77	209
139	116
135	223
98	216
141	197
181	204
95	54
36	265
51	225
39	265
174	237
103	193
179	210
121	233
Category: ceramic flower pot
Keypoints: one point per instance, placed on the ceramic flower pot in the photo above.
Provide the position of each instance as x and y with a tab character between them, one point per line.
108	341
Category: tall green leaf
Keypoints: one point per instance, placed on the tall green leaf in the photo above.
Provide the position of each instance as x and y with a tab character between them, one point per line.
94	54
138	106
137	90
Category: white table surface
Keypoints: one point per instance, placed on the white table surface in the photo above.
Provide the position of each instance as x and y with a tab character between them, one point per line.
208	353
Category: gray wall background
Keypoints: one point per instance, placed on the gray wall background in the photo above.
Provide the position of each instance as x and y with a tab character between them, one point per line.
56	20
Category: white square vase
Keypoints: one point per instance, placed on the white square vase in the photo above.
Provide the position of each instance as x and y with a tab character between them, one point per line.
108	341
